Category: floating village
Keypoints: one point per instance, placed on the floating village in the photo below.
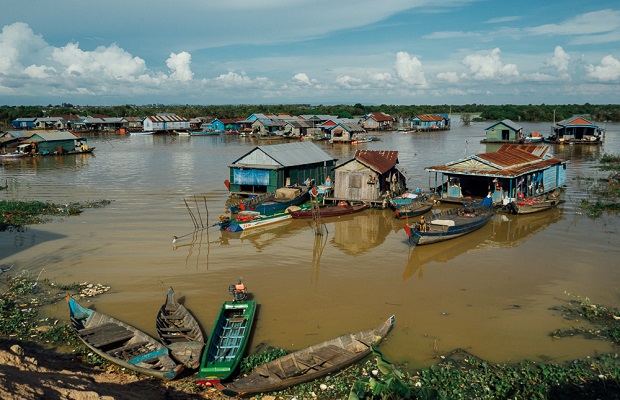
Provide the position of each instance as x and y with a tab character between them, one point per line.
290	177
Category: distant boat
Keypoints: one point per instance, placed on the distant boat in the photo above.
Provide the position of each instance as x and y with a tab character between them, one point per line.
273	202
310	363
424	204
244	220
9	156
533	137
203	133
180	332
228	339
330	211
141	132
121	343
449	224
406	198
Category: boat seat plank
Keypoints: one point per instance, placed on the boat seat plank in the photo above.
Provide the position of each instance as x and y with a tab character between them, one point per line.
99	328
106	340
171	317
130	348
175	329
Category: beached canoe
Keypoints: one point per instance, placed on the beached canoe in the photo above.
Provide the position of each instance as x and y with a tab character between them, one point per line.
310	363
227	342
121	343
180	332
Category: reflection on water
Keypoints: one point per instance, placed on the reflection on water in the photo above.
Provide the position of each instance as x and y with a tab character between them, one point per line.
446	295
504	230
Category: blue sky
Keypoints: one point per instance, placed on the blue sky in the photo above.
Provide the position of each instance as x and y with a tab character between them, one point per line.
309	51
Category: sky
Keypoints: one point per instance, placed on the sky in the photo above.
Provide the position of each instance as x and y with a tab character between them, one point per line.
400	52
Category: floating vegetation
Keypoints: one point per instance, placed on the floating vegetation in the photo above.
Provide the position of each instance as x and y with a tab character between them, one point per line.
606	192
17	214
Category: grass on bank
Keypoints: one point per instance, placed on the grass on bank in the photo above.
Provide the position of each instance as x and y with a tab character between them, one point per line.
457	375
605	192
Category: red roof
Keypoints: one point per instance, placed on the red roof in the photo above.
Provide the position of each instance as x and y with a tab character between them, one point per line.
429	117
580	121
379	116
380	160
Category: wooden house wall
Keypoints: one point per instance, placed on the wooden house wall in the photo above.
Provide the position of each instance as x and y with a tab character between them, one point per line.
354	181
53	146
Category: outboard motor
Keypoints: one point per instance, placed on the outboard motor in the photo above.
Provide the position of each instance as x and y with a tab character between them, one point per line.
238	291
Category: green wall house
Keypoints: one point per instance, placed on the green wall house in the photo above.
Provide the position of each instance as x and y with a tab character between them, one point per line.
267	168
48	142
504	131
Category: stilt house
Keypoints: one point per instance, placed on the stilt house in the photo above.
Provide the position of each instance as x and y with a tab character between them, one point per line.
369	176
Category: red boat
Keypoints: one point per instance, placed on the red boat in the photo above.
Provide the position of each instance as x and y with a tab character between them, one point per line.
342	208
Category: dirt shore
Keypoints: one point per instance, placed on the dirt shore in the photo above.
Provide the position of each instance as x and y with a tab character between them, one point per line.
30	372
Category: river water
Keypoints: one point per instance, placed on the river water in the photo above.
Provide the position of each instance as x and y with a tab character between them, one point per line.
489	292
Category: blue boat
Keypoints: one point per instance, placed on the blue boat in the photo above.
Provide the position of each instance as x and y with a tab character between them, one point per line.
449	224
273	202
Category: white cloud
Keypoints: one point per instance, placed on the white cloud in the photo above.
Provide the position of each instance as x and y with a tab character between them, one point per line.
489	66
18	47
592	27
560	59
409	69
179	64
450	77
608	71
349	82
501	20
303	78
112	62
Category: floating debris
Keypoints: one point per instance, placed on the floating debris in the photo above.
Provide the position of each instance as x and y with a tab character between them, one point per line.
92	290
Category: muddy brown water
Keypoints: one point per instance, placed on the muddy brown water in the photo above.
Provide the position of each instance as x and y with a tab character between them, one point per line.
489	292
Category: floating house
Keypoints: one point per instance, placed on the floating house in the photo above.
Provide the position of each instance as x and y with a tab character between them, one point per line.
510	172
371	175
165	122
505	131
24	123
53	142
267	168
576	130
430	122
343	132
378	121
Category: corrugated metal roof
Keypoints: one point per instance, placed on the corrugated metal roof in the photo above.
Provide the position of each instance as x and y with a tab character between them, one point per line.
509	123
167	118
575	121
379	160
379	116
508	161
292	154
430	117
55	135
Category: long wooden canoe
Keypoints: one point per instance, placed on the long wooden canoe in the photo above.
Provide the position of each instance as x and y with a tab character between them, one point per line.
330	211
423	205
449	224
121	343
180	332
310	363
227	342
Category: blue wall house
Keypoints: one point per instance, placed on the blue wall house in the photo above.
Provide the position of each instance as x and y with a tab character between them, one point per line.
267	168
429	122
24	123
576	130
505	131
510	172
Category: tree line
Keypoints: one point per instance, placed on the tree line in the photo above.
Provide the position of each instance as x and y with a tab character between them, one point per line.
531	113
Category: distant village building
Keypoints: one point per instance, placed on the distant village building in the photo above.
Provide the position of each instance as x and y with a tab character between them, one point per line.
378	121
58	142
512	170
371	175
429	122
505	131
267	168
24	123
344	132
577	130
166	122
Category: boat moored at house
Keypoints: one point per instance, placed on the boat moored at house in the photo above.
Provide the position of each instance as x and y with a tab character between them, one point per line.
576	130
512	172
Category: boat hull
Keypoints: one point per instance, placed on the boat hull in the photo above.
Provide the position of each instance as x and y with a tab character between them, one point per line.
331	211
449	225
227	342
310	363
121	343
180	332
268	203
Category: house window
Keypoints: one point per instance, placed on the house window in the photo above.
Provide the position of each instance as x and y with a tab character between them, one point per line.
355	181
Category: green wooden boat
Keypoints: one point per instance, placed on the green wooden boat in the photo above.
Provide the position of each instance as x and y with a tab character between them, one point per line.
227	342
